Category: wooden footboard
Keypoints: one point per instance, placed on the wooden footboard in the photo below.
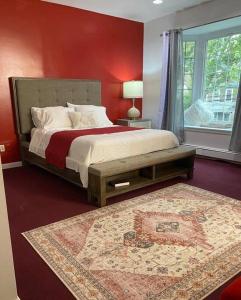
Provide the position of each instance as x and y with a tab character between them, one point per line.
31	158
138	171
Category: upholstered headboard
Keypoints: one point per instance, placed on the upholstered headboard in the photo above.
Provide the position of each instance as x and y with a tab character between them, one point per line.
42	92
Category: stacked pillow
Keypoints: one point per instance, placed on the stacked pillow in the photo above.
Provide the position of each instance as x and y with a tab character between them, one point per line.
73	116
51	117
88	116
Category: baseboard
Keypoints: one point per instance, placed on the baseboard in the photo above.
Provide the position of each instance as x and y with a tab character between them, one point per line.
218	153
12	165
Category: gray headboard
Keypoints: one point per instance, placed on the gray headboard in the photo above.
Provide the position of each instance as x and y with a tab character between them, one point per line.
42	92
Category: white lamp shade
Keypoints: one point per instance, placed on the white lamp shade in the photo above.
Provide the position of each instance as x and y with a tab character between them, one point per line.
133	89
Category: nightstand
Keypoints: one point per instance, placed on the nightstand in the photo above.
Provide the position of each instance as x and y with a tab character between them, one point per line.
144	123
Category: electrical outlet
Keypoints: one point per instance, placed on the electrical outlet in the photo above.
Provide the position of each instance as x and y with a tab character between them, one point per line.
2	148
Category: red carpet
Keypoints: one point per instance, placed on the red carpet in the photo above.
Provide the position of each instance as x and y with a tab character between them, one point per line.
37	198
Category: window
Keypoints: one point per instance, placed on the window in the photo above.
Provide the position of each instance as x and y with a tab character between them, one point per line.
216	79
229	94
189	57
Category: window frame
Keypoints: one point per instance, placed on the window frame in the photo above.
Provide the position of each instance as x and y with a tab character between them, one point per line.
201	41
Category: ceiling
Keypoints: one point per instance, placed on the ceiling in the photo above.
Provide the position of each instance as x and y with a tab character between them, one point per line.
137	10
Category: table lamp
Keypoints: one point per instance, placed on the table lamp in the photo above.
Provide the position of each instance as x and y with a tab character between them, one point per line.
132	90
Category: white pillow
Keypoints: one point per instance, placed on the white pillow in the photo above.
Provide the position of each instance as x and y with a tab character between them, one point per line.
80	121
98	112
51	117
76	105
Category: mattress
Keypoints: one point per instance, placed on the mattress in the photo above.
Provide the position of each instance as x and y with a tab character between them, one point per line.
93	149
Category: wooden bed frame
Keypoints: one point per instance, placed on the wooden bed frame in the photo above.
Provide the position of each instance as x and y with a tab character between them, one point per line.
140	171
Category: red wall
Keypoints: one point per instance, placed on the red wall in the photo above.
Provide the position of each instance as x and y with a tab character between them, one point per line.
40	39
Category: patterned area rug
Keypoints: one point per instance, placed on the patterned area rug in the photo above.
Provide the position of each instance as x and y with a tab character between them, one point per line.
179	242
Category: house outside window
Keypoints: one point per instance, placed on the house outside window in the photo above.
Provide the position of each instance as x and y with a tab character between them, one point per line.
212	67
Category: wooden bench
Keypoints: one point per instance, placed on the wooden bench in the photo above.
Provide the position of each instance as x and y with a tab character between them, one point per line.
139	171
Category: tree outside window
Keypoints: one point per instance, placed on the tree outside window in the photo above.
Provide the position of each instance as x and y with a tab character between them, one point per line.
189	59
221	74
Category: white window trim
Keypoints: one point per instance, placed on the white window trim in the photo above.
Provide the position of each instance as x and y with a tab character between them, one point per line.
199	66
209	130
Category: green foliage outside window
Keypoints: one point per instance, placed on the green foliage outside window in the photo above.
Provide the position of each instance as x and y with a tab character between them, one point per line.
221	75
223	66
189	58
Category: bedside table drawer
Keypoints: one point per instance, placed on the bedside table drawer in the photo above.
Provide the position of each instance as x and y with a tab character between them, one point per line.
142	124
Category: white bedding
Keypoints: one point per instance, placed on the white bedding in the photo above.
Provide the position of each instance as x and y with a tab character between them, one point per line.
91	149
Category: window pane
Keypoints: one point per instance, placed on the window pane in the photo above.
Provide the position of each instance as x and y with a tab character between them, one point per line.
221	80
189	60
188	82
188	63
189	49
187	94
222	73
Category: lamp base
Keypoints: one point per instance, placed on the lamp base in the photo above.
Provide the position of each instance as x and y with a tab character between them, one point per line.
133	112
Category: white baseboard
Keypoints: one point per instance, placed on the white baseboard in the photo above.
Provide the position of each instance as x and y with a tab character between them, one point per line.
218	153
12	165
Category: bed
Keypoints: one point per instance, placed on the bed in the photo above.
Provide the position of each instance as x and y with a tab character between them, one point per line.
140	168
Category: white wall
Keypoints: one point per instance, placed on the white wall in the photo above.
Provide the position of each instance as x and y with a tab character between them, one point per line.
152	64
205	13
8	289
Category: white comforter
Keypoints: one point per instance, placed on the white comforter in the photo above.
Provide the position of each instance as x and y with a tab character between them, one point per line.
92	149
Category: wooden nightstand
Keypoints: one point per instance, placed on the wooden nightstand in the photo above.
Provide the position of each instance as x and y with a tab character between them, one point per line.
144	123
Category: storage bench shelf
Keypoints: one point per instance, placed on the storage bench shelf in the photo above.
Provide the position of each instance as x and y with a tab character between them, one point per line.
139	171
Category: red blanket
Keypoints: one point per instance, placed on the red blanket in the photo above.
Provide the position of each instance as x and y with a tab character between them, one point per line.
60	142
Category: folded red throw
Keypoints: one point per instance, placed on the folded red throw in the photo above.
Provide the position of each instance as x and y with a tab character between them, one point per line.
60	142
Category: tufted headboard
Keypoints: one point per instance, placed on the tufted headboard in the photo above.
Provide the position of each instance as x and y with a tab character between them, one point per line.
42	92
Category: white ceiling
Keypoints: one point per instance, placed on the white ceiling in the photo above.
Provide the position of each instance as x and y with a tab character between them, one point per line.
137	10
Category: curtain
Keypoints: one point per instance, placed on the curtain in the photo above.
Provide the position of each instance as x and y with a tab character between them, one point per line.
171	111
235	143
164	76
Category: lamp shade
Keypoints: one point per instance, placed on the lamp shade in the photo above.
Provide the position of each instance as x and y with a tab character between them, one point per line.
133	89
